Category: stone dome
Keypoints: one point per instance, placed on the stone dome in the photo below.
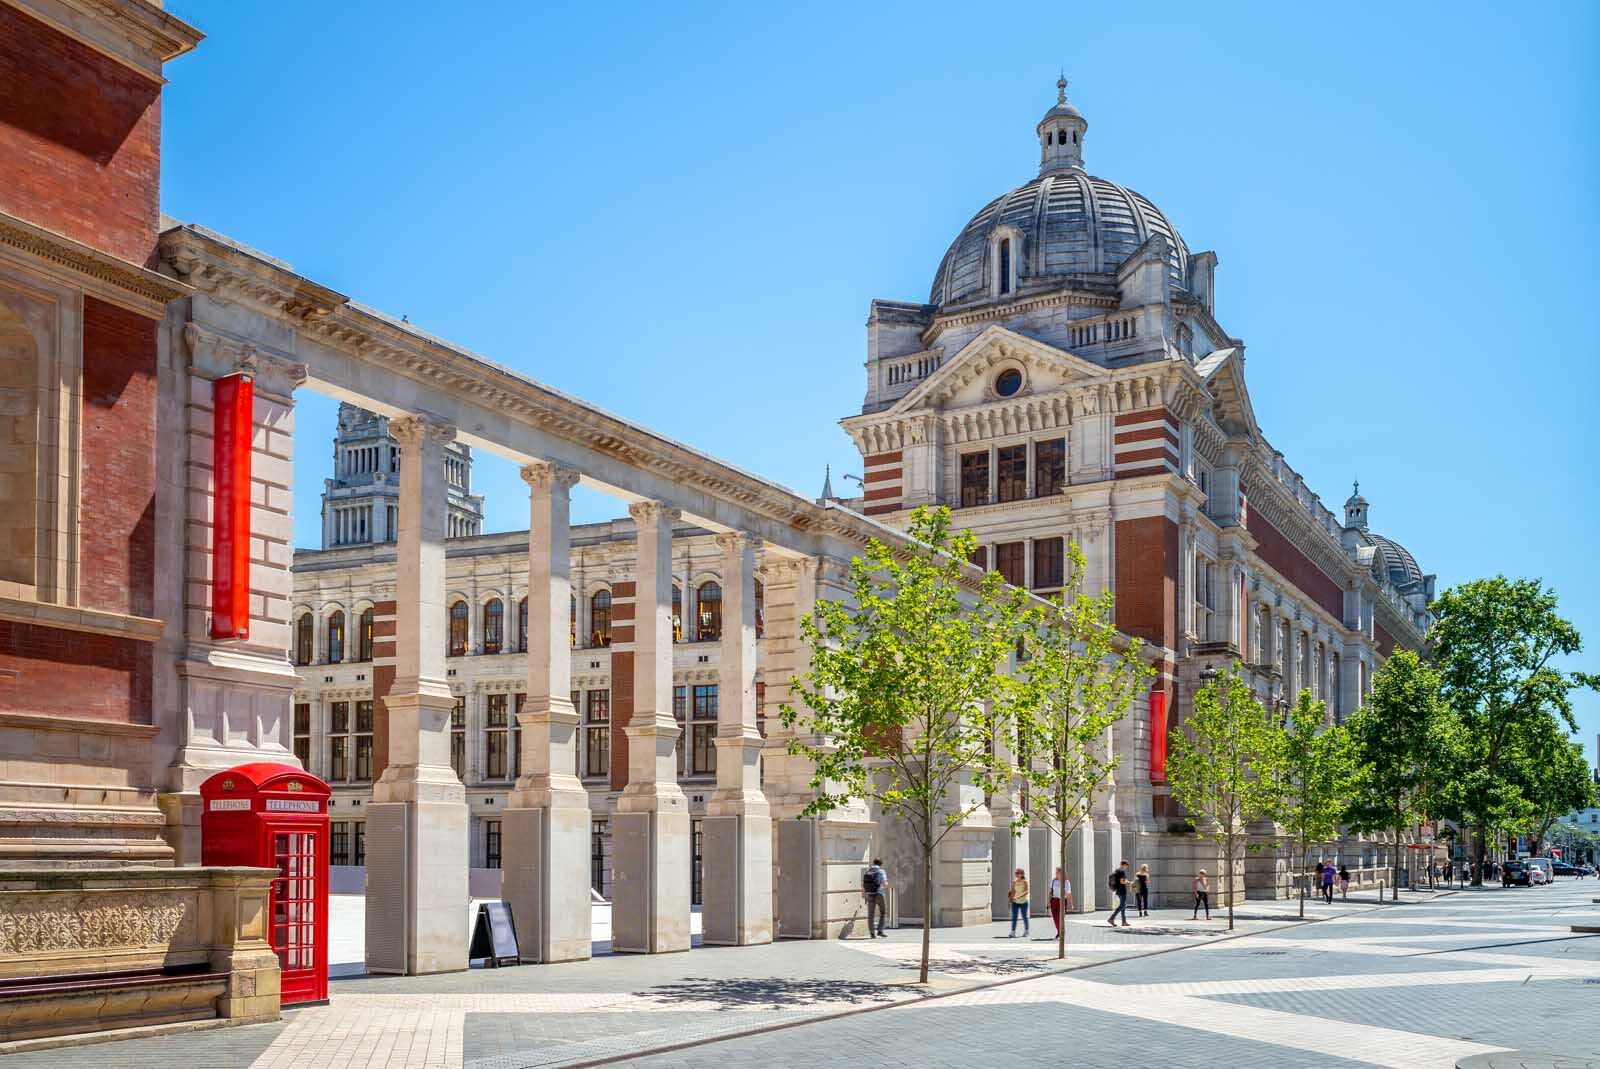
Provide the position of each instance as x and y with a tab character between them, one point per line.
1072	224
1397	563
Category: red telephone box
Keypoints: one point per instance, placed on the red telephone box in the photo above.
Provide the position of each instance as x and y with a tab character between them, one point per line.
275	816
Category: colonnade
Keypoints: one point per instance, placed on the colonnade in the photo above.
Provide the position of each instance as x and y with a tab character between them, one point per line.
417	821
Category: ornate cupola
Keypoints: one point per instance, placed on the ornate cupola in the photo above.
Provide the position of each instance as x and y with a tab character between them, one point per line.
1355	510
1061	135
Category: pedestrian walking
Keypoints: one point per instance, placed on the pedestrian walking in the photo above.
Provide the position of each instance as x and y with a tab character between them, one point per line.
1142	890
1060	897
1328	873
1344	882
1118	881
874	882
1019	903
1202	895
1449	873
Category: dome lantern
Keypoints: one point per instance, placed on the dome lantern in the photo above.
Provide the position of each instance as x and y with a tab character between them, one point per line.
1061	135
1355	510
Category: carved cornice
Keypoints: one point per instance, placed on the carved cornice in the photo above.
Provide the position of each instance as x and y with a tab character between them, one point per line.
214	355
83	264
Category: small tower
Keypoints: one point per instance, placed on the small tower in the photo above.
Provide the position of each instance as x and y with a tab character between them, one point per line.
1355	510
827	485
1061	135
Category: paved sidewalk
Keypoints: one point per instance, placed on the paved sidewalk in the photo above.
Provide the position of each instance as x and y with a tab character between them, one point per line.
618	1006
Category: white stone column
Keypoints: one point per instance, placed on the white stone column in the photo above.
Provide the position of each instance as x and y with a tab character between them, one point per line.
1010	849
650	832
736	849
417	820
1107	824
545	849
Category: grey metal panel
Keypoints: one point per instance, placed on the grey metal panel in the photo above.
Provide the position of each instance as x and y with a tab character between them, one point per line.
388	887
797	869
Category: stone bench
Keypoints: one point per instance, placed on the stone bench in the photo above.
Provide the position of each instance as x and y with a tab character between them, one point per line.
87	950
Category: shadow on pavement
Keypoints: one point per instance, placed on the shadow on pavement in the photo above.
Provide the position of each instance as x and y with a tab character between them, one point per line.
771	992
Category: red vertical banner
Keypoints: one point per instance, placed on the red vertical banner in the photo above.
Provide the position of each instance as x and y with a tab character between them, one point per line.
233	402
1158	733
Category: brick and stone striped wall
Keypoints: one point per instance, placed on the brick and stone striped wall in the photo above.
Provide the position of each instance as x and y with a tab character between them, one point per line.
882	482
1146	443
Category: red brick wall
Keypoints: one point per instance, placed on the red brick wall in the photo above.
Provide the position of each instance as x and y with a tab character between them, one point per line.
621	713
1384	640
117	522
80	140
1147	579
70	673
1289	562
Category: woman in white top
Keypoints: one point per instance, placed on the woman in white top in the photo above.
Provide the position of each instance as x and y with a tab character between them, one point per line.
1202	895
1060	894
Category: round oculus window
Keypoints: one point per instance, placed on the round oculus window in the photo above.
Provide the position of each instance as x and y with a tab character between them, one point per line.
1008	382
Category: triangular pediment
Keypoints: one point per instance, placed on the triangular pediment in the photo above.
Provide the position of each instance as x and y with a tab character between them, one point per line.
965	379
1223	375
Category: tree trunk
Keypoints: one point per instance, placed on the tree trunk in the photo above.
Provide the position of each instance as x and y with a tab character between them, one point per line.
1227	861
927	893
1394	893
1478	849
1061	933
1303	878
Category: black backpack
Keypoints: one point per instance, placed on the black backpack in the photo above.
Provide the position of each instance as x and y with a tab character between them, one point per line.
870	882
1111	880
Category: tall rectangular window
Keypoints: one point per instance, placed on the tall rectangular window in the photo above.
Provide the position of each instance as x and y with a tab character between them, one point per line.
1005	265
980	557
1008	561
600	857
491	844
697	840
1013	472
302	734
974	479
358	856
1049	563
680	713
339	742
496	731
339	843
458	737
1049	467
703	728
597	733
516	734
363	740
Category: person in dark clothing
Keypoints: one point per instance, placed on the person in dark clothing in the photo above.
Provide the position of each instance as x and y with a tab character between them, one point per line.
1141	893
1328	873
1119	887
874	882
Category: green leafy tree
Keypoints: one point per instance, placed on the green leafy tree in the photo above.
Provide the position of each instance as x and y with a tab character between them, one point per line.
1496	642
1317	781
1077	679
902	680
1550	771
1223	767
1402	740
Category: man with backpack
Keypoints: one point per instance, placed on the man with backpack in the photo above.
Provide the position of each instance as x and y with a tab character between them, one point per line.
1118	882
874	882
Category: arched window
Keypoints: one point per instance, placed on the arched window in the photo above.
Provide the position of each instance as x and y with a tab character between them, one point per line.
522	625
457	643
364	637
677	613
708	616
761	610
494	626
336	637
304	649
600	619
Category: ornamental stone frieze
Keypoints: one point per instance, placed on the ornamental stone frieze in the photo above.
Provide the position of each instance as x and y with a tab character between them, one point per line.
41	922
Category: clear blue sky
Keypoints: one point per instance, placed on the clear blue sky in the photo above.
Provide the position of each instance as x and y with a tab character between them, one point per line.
681	211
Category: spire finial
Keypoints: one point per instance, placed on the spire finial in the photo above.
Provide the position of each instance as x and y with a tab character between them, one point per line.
1357	492
1061	88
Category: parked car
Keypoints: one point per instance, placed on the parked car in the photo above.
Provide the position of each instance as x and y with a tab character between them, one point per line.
1515	874
1542	869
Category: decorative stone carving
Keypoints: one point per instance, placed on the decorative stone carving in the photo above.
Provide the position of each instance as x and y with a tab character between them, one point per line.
37	923
412	430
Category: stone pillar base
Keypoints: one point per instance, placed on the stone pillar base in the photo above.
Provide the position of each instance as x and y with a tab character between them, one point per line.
736	883
649	883
818	875
546	881
417	918
963	875
1108	852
